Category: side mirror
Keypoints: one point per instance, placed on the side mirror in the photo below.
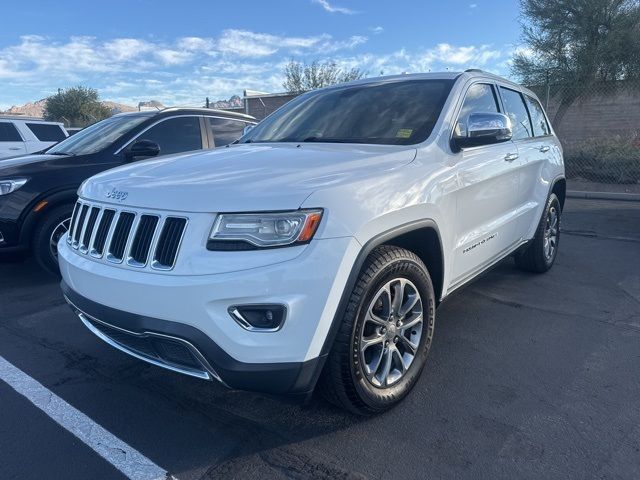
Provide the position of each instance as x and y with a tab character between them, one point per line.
482	129
143	148
246	129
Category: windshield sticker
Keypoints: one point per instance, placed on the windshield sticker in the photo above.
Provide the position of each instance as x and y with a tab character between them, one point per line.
404	133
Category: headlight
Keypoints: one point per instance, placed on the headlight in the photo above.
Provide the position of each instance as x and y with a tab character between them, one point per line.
243	231
8	186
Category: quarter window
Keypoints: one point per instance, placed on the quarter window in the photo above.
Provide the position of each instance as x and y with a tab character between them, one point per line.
175	135
225	130
540	125
516	110
9	133
47	132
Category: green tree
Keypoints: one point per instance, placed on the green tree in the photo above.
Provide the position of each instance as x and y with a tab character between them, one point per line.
577	43
302	77
76	107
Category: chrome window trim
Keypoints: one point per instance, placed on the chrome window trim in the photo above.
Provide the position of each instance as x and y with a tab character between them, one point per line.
117	152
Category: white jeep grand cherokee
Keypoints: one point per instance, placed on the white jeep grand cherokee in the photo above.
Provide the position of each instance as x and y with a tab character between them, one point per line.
317	248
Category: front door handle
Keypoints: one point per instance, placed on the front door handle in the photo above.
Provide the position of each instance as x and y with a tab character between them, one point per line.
510	157
544	148
15	148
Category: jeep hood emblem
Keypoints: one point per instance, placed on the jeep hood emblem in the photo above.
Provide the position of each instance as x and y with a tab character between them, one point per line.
118	195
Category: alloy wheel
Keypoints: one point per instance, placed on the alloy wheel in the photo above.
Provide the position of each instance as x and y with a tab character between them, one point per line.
551	233
56	234
391	332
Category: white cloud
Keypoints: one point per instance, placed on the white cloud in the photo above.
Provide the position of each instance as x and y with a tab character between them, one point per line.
334	9
245	43
185	70
377	30
473	5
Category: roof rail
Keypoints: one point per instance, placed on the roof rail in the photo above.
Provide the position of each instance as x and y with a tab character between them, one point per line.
468	70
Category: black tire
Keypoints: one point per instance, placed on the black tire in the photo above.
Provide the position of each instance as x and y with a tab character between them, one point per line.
535	257
42	237
344	380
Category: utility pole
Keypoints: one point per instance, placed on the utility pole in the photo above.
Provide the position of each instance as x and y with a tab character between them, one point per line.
207	102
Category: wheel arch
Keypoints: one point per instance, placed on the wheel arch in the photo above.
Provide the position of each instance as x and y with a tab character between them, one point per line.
559	187
32	217
406	236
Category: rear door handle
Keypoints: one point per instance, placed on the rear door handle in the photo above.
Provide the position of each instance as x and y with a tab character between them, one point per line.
544	148
510	157
15	148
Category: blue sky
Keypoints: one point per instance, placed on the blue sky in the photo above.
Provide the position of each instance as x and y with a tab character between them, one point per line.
179	52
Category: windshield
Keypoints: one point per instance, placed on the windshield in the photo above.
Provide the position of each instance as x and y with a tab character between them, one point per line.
393	113
98	136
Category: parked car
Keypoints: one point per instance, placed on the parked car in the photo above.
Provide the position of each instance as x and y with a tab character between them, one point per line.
22	135
37	192
317	249
73	130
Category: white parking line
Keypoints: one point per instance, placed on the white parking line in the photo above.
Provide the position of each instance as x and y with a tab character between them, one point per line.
125	458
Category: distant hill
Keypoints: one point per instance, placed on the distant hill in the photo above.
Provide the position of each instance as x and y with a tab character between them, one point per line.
36	109
233	102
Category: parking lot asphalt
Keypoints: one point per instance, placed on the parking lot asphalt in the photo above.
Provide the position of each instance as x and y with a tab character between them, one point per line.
530	376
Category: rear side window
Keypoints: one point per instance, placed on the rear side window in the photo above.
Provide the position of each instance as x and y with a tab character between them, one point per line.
9	133
175	135
46	132
480	98
516	110
540	125
225	130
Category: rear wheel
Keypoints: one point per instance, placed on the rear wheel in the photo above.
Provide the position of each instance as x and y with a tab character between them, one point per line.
48	233
540	254
385	335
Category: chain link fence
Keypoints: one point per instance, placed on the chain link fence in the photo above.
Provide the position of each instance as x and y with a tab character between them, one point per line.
599	127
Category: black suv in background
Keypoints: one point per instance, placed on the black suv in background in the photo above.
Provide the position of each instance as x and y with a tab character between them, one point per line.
37	192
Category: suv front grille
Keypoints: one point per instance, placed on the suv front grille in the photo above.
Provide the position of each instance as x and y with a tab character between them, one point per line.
125	235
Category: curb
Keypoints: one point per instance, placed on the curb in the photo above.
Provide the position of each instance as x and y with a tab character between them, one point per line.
624	197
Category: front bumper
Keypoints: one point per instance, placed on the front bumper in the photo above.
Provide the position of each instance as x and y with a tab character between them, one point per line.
191	310
193	353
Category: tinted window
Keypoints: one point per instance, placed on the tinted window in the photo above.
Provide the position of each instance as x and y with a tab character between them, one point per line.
540	125
225	130
394	113
480	98
47	132
514	107
9	133
175	135
98	136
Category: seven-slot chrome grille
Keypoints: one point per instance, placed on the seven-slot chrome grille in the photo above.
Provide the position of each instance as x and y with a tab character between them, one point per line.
119	235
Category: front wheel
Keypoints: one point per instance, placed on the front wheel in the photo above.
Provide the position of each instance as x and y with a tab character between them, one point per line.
47	235
541	253
385	335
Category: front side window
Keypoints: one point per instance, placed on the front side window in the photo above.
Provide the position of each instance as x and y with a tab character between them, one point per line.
401	112
480	98
539	121
98	136
9	132
225	130
175	135
517	112
47	132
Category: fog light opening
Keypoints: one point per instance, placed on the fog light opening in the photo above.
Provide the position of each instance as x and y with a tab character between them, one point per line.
259	318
